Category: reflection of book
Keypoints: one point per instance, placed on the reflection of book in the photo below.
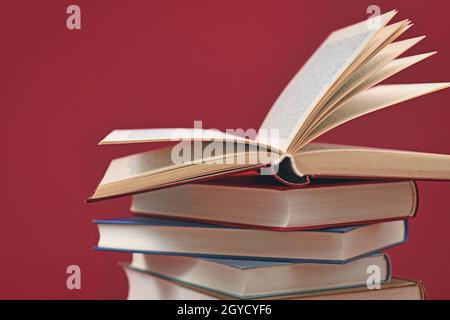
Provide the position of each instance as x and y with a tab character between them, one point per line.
145	286
252	279
336	85
260	201
334	245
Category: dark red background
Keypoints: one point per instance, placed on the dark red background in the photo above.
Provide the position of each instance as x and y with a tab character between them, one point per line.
139	64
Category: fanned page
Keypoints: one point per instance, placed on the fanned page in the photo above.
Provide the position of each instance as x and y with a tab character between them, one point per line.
317	76
328	160
361	74
369	81
389	70
372	100
328	63
373	56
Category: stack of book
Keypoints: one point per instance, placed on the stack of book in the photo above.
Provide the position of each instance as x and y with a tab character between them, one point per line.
308	222
249	237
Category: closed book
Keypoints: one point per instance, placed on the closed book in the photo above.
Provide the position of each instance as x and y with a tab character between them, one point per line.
332	245
146	286
260	202
246	279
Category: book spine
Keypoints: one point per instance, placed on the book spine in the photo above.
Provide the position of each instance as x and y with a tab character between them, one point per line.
416	199
388	267
423	291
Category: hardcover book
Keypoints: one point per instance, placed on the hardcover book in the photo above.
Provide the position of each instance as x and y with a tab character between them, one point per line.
333	245
261	202
146	286
246	279
340	82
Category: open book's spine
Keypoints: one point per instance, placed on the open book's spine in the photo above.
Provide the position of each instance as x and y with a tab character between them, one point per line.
287	174
304	180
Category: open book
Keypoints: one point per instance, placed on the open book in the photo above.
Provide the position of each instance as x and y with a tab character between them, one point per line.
337	84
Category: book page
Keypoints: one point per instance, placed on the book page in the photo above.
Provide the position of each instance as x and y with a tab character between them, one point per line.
363	72
374	99
313	80
387	71
187	161
162	160
170	134
383	37
129	166
327	160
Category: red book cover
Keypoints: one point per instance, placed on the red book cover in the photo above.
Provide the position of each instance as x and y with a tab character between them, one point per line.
253	179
